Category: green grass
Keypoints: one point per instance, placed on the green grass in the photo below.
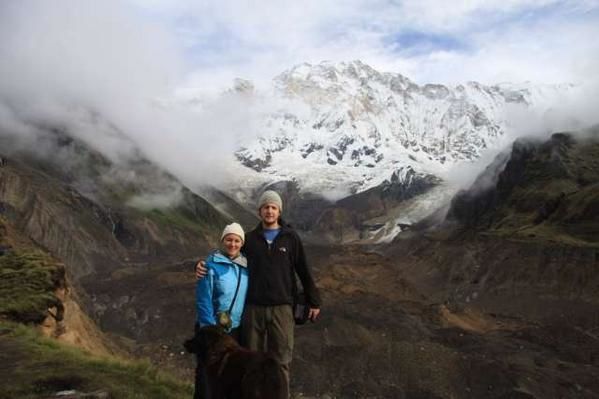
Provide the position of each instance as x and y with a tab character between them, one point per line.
574	222
33	366
174	217
542	233
28	279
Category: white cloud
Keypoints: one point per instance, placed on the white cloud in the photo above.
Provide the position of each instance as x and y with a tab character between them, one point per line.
101	71
509	39
541	54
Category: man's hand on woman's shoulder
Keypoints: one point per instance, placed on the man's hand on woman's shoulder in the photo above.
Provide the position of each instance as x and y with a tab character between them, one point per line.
201	269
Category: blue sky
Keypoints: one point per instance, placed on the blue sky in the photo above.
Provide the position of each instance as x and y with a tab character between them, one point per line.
415	43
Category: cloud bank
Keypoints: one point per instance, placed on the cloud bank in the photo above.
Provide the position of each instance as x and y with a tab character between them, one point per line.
104	74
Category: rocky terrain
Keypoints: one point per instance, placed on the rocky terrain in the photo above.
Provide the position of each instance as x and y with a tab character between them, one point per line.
397	328
499	301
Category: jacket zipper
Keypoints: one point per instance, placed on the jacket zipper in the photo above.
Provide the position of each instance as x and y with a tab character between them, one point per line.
271	246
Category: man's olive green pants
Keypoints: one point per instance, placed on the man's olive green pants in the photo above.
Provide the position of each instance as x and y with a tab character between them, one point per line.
270	329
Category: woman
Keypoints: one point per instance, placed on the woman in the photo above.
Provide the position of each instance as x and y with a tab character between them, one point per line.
220	296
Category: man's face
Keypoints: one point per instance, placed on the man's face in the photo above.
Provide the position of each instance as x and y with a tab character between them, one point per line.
269	214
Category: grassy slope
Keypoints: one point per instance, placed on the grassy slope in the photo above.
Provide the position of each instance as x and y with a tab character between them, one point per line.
176	218
31	365
34	366
27	283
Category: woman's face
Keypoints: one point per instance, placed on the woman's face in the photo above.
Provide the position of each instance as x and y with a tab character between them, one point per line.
232	244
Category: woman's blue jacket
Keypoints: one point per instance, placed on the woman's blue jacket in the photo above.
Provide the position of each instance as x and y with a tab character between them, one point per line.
214	293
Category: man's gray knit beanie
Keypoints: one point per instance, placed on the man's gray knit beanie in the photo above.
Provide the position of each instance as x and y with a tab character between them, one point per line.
270	197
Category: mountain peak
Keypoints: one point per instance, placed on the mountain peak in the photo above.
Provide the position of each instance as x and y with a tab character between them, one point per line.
327	74
361	123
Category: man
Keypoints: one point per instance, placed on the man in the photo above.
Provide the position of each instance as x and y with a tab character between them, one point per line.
275	254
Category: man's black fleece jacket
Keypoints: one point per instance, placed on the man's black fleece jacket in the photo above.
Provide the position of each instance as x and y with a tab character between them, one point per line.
272	270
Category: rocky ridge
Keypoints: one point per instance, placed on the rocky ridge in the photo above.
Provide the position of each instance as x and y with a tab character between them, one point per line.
540	190
98	216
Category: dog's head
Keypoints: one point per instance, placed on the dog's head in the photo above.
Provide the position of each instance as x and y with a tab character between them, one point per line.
209	341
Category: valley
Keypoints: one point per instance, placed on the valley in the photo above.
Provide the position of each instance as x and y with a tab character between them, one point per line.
496	295
409	323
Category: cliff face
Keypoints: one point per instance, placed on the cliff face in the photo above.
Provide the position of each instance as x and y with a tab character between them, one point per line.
59	219
543	191
526	231
101	230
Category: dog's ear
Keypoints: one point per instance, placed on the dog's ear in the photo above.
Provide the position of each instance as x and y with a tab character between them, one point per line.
191	345
203	341
212	334
215	330
200	342
221	330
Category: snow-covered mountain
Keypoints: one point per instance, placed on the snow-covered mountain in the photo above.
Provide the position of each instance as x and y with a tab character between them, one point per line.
343	128
360	154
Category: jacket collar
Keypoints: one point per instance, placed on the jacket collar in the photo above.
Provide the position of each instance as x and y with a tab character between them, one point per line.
284	226
220	257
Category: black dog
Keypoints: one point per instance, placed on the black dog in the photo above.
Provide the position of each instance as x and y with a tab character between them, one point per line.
234	372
